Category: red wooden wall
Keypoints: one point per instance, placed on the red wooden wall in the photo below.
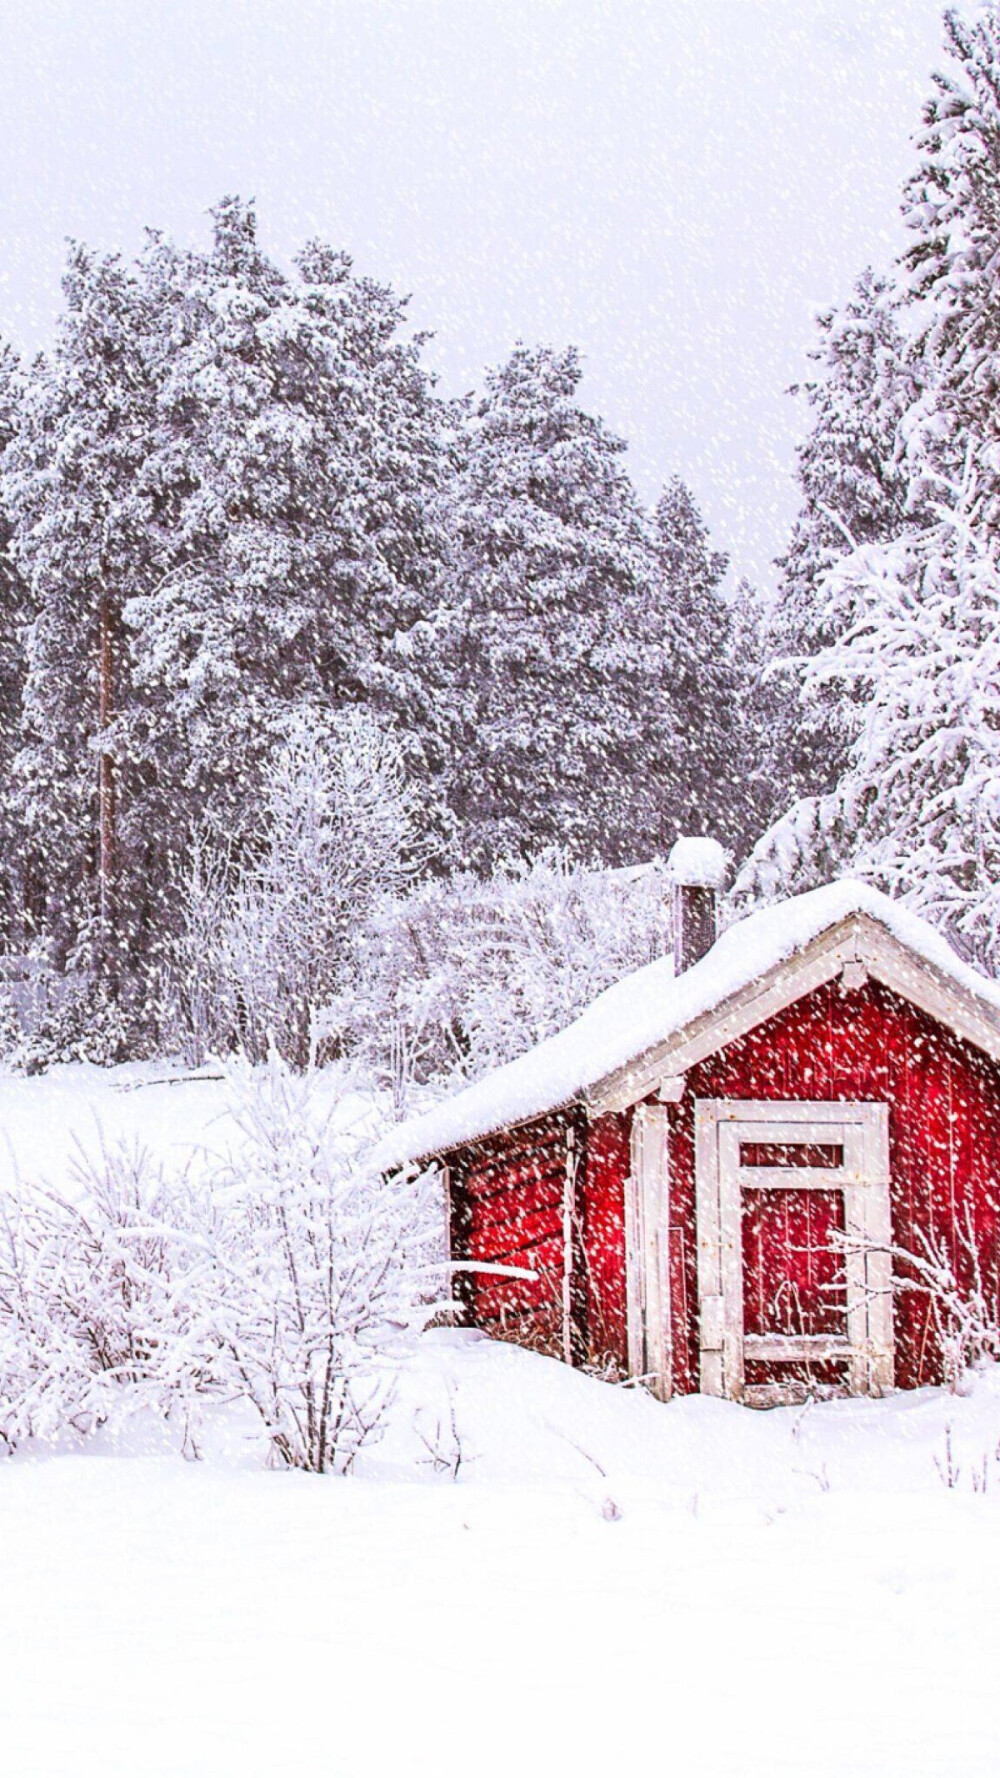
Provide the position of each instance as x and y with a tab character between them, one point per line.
866	1044
507	1208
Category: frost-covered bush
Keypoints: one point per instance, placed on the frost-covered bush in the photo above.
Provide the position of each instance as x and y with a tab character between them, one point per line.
462	975
291	1276
267	937
103	1306
946	1268
965	1307
82	1021
10	1025
48	1382
323	1270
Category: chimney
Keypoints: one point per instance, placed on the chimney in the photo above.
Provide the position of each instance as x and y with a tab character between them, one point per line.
697	871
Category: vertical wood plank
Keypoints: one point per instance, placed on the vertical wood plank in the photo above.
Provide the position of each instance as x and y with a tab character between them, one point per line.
650	1131
711	1317
569	1195
731	1259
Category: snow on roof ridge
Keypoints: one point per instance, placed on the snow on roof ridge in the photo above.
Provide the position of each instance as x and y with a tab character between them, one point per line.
650	1005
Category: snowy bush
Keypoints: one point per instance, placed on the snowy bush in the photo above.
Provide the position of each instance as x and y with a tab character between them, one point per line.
83	1021
291	1277
267	938
323	1270
10	1025
966	1311
964	1305
48	1381
460	976
101	1300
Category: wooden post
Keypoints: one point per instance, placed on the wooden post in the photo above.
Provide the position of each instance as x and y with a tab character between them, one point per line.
648	1242
569	1193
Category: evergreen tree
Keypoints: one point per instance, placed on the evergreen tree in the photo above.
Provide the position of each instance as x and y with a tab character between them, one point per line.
15	889
80	539
223	497
852	473
706	781
559	647
917	809
952	207
296	473
758	702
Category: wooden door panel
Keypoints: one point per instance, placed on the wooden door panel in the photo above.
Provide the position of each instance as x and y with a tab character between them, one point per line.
793	1275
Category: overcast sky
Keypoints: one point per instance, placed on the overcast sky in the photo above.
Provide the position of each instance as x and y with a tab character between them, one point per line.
675	186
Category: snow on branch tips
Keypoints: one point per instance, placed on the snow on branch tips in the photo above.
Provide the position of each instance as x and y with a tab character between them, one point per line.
916	666
269	935
324	1271
291	1277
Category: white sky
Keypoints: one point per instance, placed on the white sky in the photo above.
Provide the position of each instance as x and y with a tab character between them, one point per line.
674	185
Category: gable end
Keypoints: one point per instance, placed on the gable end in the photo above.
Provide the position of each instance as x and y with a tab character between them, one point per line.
855	941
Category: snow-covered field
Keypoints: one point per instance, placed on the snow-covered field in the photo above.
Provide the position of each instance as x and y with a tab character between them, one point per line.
604	1585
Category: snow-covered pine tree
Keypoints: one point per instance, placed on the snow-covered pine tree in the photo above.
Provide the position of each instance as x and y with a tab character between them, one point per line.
903	739
296	474
705	784
223	500
852	475
952	207
15	889
917	809
759	704
561	644
80	538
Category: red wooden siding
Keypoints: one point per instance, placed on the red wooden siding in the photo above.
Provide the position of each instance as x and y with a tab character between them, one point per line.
507	1208
944	1138
601	1212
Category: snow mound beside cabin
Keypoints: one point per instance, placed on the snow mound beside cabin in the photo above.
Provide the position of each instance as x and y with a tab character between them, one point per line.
512	1417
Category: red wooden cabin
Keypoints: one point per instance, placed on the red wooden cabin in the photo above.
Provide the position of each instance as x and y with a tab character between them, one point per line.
701	1180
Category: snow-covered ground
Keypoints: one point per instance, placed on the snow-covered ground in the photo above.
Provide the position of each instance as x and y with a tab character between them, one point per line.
533	1573
50	1122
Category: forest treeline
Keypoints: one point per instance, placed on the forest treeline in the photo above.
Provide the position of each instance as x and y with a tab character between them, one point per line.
336	710
234	502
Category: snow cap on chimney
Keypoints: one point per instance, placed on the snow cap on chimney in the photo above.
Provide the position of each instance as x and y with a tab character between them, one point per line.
697	871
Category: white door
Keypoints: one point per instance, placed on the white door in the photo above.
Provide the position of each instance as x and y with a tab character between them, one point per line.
794	1261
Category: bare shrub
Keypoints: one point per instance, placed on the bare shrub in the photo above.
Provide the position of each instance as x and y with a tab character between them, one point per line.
102	1307
268	933
462	975
323	1273
948	1270
966	1311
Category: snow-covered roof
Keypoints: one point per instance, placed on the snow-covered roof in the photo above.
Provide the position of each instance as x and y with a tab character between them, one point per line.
646	1009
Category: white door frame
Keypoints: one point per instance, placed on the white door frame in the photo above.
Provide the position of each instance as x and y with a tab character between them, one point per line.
862	1130
647	1251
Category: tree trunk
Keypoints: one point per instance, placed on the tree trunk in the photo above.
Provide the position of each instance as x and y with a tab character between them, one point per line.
106	790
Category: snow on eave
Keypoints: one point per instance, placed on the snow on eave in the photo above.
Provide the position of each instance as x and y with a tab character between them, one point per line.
648	1008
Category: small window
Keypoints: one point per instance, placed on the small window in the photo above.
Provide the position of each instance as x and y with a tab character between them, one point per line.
791	1154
